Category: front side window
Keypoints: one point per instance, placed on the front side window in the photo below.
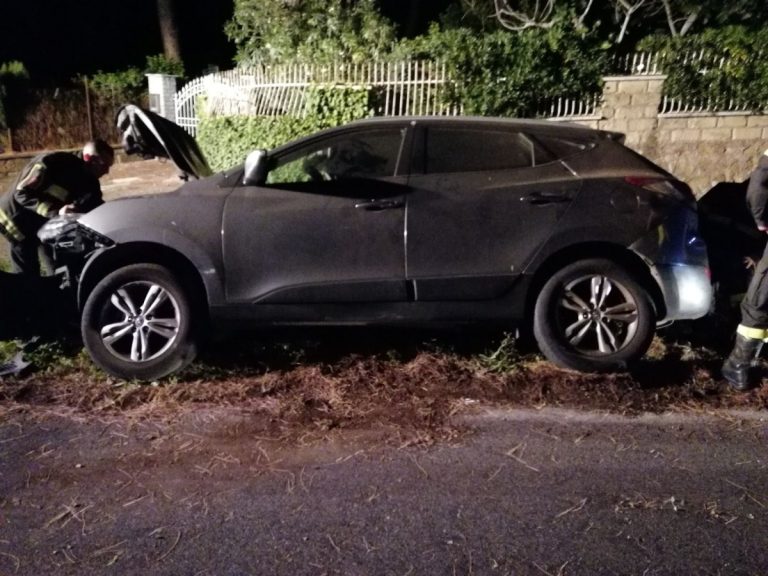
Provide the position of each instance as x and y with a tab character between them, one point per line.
371	154
452	149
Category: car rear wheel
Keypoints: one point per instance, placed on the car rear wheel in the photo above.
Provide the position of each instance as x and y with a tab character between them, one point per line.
593	316
137	323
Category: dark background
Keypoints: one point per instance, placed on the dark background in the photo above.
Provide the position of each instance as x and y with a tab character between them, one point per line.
59	39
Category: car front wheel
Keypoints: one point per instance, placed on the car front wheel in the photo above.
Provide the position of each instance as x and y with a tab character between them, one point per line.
137	323
593	316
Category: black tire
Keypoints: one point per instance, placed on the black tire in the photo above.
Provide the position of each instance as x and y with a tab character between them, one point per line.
593	316
133	343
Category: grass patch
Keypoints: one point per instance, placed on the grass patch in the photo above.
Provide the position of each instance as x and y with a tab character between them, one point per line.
309	382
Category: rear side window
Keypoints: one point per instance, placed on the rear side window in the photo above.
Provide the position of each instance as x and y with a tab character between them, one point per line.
451	149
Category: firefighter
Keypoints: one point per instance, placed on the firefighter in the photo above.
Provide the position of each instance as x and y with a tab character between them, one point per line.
753	330
51	184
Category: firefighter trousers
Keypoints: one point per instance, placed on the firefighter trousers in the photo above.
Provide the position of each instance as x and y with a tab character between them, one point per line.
754	306
28	256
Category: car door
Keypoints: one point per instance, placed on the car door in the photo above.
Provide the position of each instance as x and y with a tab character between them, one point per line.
326	227
483	200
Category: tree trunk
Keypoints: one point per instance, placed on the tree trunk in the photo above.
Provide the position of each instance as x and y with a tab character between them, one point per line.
168	30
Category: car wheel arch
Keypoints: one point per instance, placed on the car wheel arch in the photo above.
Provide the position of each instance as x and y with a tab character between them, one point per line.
630	261
121	255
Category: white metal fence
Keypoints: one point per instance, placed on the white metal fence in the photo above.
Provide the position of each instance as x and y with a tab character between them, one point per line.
186	102
704	62
402	88
707	64
396	89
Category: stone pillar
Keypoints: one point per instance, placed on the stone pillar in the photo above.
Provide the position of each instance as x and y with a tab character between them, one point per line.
631	105
162	88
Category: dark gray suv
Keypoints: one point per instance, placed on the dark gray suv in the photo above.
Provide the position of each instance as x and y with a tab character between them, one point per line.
390	222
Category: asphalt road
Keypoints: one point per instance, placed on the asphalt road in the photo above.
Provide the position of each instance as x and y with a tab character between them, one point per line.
522	492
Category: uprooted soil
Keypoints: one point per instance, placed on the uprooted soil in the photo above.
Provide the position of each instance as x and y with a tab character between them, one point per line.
311	382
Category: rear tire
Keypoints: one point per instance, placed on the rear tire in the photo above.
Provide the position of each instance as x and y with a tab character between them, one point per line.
137	323
593	316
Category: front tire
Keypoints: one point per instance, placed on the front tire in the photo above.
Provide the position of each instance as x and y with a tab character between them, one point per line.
137	323
593	316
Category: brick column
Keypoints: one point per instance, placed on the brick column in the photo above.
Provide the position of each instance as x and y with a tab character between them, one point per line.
631	105
162	88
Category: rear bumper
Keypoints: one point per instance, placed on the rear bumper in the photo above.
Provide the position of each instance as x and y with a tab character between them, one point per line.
687	291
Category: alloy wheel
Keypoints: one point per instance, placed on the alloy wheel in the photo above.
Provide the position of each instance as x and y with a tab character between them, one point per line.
597	315
140	321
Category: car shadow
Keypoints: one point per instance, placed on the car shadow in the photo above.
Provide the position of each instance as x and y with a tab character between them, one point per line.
257	352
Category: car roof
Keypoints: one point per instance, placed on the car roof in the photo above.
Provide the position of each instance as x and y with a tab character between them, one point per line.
561	129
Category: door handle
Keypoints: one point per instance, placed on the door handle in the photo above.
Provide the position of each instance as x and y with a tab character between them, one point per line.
540	198
376	205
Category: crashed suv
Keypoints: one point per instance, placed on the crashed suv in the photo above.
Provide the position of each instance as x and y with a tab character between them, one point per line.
399	221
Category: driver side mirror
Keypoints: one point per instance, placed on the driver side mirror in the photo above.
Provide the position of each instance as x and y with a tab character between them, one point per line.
256	168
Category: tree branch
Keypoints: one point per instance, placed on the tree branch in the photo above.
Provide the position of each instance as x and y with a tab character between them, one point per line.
670	18
629	10
517	20
586	11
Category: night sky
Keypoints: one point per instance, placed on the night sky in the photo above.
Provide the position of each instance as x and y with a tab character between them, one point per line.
59	39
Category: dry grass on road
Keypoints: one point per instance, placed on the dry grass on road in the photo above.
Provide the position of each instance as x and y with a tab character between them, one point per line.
348	380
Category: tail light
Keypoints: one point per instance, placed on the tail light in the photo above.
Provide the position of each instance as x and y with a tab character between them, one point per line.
664	186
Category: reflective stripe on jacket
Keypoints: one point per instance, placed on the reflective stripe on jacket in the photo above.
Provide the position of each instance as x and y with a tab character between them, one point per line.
8	228
46	184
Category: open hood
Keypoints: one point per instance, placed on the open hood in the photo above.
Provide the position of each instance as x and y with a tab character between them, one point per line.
149	134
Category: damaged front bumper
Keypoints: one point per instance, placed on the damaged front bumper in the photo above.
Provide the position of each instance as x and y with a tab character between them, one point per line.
46	306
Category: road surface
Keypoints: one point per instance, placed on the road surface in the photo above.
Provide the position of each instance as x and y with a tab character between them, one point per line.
517	492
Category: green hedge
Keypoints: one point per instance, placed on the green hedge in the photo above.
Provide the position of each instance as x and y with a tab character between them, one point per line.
512	74
226	140
732	68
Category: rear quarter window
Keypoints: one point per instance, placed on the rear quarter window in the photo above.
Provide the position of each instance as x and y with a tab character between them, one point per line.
560	148
453	149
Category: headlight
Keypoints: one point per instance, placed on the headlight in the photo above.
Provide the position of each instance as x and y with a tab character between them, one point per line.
57	227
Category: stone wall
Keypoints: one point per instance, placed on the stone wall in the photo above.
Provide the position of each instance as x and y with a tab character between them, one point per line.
702	149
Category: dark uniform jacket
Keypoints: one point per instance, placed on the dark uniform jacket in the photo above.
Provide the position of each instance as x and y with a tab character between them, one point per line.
44	186
757	192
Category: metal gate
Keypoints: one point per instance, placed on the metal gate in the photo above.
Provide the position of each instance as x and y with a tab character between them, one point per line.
185	102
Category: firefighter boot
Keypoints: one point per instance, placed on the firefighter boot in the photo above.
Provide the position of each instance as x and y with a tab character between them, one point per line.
737	365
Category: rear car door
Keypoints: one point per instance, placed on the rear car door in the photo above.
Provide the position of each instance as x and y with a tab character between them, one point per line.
483	200
327	227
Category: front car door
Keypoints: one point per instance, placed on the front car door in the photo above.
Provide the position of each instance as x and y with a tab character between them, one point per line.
327	227
484	199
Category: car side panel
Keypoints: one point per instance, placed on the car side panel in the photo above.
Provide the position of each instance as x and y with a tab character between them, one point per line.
188	221
470	235
303	243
